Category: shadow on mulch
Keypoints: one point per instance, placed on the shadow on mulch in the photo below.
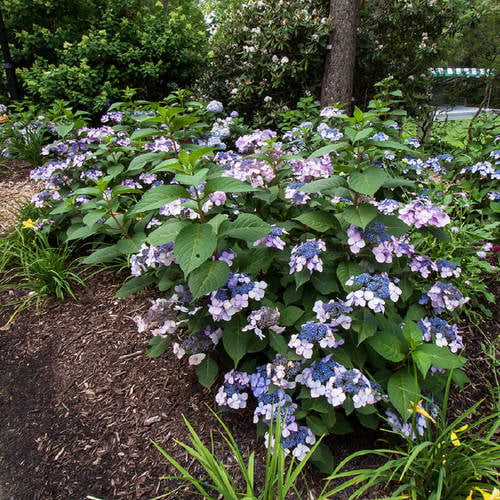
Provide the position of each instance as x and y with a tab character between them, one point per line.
80	403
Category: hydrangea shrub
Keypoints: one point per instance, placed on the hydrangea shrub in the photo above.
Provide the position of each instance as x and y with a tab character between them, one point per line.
285	260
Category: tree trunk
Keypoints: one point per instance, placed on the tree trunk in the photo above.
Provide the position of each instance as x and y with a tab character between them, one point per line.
10	71
338	75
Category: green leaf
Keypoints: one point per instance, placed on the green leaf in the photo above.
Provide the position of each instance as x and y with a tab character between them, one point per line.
345	270
207	372
194	245
166	233
325	150
325	282
388	346
393	224
395	182
301	277
208	277
317	220
128	246
64	129
290	315
277	342
403	392
80	232
324	185
363	134
157	346
415	313
93	216
426	355
316	425
158	196
412	333
368	181
292	295
228	185
234	340
135	284
216	221
101	255
365	326
396	145
144	132
369	421
360	215
322	458
247	227
139	162
193	180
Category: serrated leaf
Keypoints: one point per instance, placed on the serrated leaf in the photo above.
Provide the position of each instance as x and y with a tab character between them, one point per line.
441	357
393	224
412	333
228	185
347	269
388	346
324	185
247	227
316	425
80	232
235	341
93	216
277	342
194	245
207	372
193	180
395	182
139	162
365	326
208	277
360	215
135	284
325	282
144	132
403	391
322	458
317	220
325	150
166	233
157	346
290	315
102	255
368	181
158	196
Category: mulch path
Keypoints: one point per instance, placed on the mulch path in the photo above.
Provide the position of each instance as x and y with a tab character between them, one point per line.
80	403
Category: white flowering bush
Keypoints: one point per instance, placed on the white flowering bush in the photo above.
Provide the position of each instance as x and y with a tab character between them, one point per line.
285	260
266	55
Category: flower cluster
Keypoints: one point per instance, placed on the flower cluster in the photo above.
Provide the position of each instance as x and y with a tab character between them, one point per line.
307	255
295	195
273	240
442	333
315	168
151	257
297	443
197	344
424	265
484	169
334	381
443	296
335	312
265	317
234	391
311	334
374	290
422	213
233	297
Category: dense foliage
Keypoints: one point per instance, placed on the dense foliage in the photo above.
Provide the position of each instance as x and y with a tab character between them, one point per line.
86	52
292	261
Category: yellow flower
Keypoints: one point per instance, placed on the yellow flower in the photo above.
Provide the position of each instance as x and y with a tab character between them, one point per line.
28	224
453	435
419	409
494	495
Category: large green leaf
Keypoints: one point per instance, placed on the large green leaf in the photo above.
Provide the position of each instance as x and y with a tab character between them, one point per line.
234	340
207	372
166	233
210	276
325	150
317	220
290	315
324	185
368	181
393	224
403	392
139	162
347	269
135	284
364	324
427	355
158	196
157	346
248	227
194	245
412	333
388	346
194	179
101	255
228	185
360	215
144	132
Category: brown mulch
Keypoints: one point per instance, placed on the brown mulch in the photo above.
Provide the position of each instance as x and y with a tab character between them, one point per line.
80	403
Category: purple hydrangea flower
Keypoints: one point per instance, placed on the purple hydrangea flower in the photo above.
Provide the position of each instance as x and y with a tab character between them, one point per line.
233	393
442	333
307	255
443	296
310	334
374	290
422	213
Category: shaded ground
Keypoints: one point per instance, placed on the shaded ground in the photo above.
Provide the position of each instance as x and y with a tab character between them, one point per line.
80	403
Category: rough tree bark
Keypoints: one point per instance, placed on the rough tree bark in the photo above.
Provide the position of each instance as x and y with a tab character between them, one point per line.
338	75
12	84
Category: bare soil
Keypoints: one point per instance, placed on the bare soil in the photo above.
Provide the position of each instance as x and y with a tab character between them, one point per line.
80	403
